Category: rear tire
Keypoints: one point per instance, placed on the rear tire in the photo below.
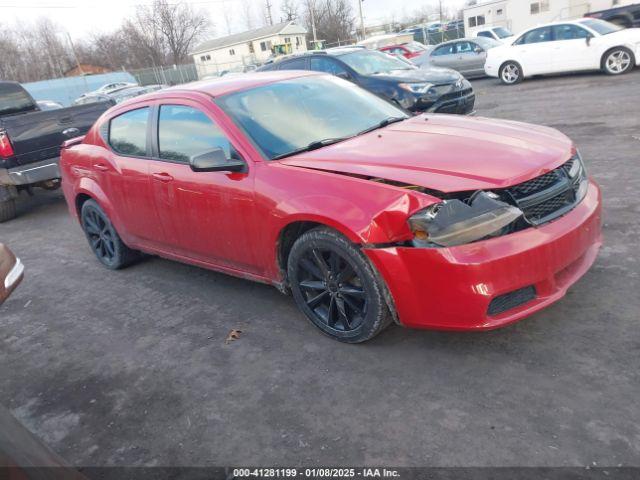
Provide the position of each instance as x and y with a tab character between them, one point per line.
511	73
618	61
337	287
7	210
103	239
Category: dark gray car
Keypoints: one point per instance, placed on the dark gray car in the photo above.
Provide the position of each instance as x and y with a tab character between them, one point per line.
436	90
466	55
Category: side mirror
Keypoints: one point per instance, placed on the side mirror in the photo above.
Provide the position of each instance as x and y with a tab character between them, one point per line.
589	37
343	75
216	161
478	49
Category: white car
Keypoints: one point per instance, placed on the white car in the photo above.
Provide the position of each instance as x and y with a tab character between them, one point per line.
585	44
500	34
114	87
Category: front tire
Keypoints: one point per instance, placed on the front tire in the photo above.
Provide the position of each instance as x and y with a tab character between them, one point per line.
103	239
336	286
618	61
511	73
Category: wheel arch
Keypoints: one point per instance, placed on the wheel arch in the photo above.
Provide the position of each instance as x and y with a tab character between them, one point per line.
297	226
88	189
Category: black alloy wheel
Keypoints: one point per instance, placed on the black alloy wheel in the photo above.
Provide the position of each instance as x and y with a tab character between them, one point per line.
103	238
336	286
332	289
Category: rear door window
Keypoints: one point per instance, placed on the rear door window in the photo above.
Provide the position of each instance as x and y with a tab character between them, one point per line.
295	64
465	47
569	32
128	132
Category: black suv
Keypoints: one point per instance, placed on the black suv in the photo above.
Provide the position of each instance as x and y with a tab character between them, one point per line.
418	90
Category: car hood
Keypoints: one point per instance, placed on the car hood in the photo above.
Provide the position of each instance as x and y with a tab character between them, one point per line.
626	34
439	76
446	153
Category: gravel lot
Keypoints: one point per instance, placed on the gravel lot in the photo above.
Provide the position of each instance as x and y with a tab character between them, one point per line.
131	367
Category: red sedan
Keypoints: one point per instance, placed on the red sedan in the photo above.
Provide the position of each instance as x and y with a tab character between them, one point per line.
406	50
367	215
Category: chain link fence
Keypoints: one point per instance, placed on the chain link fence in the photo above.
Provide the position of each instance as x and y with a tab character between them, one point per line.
171	75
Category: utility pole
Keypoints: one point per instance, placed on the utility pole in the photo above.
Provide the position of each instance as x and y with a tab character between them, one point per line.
75	57
312	8
269	17
361	20
440	3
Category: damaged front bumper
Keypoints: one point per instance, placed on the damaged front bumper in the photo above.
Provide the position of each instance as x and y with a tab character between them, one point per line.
492	283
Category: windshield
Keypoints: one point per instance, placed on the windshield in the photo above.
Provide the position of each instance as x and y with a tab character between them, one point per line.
600	26
368	62
502	32
15	99
285	117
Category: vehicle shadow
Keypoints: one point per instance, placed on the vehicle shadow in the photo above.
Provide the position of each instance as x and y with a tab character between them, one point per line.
27	204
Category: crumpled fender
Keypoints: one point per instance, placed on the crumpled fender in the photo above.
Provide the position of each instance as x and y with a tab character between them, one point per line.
362	220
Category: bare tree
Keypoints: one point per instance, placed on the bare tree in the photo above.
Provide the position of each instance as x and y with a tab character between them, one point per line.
226	14
247	10
334	19
180	26
158	34
289	10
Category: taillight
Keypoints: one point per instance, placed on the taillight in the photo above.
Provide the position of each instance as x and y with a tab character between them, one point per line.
6	149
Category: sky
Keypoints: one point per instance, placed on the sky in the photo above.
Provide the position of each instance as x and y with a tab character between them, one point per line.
81	18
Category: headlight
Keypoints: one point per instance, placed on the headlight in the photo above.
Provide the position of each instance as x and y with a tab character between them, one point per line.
577	169
454	222
421	88
578	177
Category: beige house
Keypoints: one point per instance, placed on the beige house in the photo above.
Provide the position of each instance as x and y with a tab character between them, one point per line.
519	15
234	52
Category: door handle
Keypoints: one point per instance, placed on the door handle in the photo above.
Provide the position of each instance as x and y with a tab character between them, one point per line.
162	176
100	166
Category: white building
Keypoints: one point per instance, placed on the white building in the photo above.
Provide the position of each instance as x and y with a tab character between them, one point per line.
518	15
254	46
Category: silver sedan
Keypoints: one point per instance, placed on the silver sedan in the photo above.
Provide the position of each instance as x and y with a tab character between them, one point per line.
466	55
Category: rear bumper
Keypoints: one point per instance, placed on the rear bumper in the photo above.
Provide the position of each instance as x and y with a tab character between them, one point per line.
452	288
31	173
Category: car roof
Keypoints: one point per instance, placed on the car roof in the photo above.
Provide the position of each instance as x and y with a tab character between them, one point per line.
217	87
463	39
579	21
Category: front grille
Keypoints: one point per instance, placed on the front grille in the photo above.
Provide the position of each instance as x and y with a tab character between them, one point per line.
546	208
455	95
548	196
510	300
535	185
